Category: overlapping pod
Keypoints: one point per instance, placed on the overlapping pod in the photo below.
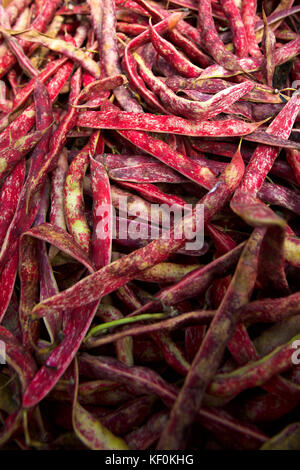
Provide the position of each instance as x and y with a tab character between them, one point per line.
182	334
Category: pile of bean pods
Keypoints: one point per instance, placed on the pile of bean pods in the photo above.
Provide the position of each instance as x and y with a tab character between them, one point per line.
140	342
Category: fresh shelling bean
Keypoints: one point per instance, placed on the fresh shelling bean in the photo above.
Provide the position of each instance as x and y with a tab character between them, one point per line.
149	236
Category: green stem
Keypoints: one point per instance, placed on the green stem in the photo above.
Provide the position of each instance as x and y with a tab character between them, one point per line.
124	321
